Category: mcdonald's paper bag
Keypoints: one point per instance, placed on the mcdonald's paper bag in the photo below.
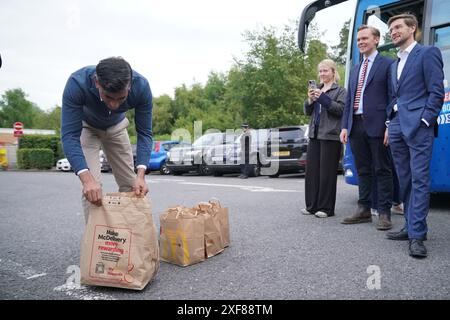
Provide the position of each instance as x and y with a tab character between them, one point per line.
182	239
222	216
120	243
213	236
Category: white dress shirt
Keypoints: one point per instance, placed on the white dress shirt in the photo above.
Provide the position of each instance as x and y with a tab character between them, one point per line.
403	56
371	59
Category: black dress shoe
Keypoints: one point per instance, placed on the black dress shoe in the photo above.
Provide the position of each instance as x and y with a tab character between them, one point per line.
398	235
417	248
401	235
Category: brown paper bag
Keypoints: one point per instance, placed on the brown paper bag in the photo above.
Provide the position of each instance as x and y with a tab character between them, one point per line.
182	239
222	215
120	243
213	235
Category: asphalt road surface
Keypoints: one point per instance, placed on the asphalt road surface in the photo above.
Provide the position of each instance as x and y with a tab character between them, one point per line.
275	252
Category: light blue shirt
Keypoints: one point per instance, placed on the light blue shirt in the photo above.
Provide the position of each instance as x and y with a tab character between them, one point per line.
369	66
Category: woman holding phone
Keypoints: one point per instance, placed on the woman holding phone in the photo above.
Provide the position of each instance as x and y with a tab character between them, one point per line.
325	105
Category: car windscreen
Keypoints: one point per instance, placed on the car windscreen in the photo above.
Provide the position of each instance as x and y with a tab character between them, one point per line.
289	134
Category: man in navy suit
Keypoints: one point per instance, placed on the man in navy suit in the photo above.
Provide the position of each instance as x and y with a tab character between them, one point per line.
363	124
418	93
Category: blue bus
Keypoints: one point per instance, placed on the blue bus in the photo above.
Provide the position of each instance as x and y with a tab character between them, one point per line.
434	29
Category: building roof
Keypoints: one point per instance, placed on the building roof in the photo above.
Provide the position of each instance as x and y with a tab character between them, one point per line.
7	138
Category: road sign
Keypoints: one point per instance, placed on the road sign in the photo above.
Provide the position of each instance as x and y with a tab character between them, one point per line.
18	129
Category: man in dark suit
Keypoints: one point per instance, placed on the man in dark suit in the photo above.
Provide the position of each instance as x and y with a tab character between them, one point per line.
363	124
246	137
418	93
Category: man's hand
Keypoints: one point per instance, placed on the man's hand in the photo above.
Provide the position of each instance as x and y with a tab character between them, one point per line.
386	138
344	136
91	188
140	187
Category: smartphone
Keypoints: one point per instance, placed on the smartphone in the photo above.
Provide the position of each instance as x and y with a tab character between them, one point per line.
312	84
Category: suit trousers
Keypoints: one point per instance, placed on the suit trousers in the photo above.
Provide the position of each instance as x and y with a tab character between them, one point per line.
322	161
117	147
396	188
371	157
412	158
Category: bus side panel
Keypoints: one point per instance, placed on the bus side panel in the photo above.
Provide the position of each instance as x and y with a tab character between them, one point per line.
440	161
348	164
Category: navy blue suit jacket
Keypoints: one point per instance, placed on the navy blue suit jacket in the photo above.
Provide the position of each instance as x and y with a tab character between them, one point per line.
375	100
419	93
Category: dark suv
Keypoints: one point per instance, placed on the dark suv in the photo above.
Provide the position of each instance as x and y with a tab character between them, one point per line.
285	151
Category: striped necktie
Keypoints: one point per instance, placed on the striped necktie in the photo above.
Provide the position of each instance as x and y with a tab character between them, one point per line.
360	85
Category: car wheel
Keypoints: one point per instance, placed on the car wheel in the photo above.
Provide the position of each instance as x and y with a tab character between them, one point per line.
256	170
204	170
147	171
164	170
274	175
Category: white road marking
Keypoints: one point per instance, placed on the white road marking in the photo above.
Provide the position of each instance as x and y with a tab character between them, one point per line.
23	271
82	292
247	188
36	276
166	180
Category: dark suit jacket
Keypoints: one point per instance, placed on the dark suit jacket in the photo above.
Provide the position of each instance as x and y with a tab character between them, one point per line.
375	99
419	93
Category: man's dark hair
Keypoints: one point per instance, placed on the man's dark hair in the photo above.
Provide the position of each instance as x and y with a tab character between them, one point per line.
113	74
409	18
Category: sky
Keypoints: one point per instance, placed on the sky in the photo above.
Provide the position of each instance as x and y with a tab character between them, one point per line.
170	42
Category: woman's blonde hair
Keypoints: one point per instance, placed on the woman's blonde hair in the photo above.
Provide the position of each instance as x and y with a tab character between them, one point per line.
332	65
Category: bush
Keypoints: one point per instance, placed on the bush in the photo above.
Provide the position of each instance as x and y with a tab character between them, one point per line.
37	141
42	158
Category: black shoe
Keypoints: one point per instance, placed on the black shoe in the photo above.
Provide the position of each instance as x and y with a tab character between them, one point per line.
417	248
401	235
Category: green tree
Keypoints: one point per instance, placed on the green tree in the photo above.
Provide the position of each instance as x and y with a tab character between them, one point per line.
267	87
271	80
50	120
54	119
162	115
340	50
15	107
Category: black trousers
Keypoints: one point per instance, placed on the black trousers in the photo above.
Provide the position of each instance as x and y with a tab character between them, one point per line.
396	186
245	166
371	157
322	161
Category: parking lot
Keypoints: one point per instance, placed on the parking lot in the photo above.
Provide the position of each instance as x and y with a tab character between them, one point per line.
275	252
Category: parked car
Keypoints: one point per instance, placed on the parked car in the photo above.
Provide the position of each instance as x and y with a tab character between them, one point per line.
185	159
104	164
64	164
286	150
226	158
159	155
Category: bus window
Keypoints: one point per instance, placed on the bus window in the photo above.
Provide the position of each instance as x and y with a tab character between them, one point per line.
327	30
442	41
379	16
440	9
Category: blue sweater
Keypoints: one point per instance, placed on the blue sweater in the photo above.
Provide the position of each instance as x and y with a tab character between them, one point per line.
81	102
